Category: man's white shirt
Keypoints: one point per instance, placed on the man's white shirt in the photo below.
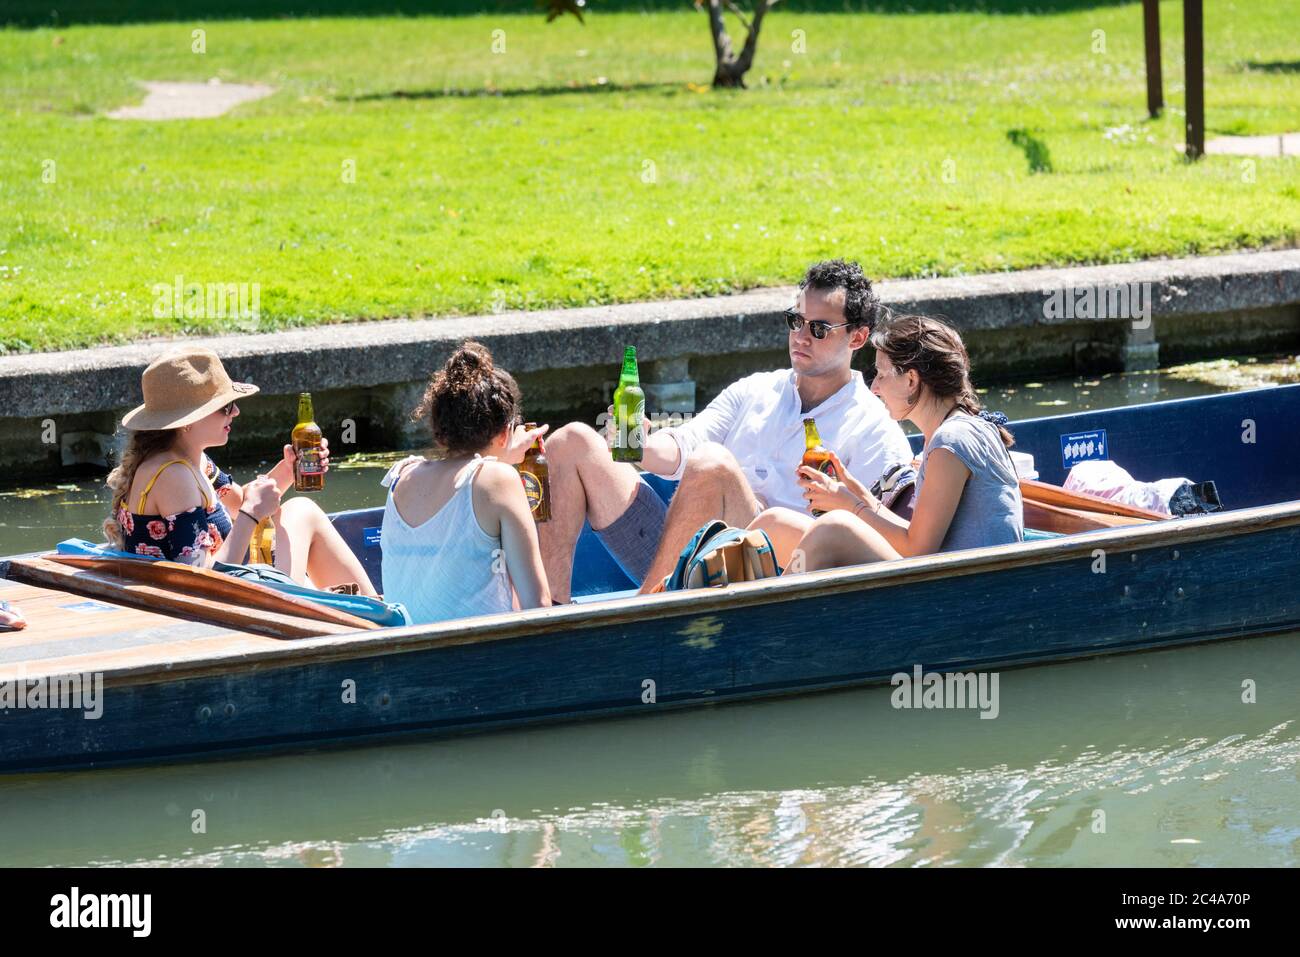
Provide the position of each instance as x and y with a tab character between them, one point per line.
760	422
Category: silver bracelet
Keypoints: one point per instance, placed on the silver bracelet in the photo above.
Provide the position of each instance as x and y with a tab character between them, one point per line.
862	504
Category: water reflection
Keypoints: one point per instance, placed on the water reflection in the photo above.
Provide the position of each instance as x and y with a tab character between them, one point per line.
1161	744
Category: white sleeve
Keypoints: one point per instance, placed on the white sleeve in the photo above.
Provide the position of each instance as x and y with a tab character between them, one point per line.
712	425
878	449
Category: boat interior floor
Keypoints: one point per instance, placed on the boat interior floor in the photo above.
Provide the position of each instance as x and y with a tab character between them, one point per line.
71	634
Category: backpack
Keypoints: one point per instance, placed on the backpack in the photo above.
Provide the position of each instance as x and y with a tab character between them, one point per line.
719	555
896	490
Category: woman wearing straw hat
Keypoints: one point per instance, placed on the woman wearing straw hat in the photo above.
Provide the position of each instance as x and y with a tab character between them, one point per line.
170	501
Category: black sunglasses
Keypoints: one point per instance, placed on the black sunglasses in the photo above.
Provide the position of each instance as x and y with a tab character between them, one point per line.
227	408
818	327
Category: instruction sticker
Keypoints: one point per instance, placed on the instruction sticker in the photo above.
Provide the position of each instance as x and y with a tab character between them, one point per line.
370	536
1083	447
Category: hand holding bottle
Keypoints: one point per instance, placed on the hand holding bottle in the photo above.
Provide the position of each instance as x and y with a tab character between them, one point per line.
520	441
261	497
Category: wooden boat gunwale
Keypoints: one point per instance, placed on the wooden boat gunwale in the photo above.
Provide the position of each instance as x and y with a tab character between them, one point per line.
538	623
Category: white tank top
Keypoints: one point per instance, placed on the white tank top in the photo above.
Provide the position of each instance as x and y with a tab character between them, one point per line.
446	567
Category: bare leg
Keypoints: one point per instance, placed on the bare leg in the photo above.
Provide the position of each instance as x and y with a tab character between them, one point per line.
712	486
308	547
837	539
586	484
784	526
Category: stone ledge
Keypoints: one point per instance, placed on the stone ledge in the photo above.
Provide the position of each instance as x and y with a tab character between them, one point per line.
370	354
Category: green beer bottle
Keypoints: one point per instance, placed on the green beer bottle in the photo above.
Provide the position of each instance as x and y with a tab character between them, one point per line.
629	411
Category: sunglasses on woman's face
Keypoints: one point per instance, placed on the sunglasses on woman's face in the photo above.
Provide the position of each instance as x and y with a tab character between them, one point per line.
819	328
227	409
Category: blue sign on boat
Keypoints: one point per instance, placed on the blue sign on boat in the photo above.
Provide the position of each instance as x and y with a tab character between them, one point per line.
372	536
1083	447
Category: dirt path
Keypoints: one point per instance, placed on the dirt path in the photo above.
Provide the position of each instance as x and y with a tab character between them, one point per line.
1276	144
191	101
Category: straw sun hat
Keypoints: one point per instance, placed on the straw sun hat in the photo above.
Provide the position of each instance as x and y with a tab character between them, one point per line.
183	387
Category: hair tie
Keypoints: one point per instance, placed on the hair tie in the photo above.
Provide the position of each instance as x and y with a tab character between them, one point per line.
997	418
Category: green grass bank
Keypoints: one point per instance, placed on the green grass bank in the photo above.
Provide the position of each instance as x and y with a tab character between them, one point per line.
590	164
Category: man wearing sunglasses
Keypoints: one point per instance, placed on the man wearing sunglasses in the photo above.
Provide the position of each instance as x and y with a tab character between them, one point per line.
740	454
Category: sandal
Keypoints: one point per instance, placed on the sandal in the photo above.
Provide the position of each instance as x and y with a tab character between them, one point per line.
11	619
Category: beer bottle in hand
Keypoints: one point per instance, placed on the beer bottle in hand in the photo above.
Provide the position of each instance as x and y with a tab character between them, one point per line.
535	475
629	412
308	475
815	454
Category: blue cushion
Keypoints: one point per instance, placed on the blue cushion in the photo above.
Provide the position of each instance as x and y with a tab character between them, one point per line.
79	546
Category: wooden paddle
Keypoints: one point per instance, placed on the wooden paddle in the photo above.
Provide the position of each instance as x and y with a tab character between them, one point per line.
111	584
1043	493
1056	518
212	585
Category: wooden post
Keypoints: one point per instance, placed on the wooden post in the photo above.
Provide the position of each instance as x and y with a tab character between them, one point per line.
1194	77
1151	38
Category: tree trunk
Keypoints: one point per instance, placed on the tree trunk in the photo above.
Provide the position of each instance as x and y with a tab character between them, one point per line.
726	76
730	68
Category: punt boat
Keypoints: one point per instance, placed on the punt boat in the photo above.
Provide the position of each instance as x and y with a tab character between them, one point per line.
192	664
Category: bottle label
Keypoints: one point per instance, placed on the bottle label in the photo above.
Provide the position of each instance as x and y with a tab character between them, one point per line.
532	489
636	427
309	462
826	468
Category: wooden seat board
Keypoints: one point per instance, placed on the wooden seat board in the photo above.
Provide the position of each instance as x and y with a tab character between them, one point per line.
70	633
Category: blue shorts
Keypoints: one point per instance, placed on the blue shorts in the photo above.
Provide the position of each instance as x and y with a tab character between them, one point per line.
633	537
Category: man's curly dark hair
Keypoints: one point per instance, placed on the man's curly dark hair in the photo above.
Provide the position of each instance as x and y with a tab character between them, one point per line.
861	304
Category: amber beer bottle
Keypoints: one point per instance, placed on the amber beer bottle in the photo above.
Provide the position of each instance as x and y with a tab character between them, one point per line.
536	478
308	475
629	411
815	454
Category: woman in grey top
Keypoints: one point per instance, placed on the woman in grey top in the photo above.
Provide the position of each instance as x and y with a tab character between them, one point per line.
968	494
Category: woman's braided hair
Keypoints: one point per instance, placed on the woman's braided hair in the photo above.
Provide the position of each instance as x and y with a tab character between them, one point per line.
140	444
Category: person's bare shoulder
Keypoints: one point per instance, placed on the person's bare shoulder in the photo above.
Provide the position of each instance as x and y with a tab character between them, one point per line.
498	493
500	482
175	491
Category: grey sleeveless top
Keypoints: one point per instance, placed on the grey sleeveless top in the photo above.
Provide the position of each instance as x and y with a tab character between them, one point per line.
990	511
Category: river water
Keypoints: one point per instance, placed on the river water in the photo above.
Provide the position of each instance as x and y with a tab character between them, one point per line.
1145	759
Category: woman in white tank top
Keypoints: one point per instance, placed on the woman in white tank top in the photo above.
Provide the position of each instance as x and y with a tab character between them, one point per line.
458	537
